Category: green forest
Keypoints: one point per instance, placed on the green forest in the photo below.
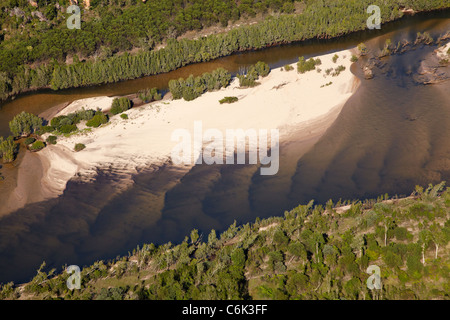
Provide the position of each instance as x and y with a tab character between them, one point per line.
35	47
313	252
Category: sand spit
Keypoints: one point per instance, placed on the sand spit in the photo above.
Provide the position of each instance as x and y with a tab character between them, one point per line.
285	100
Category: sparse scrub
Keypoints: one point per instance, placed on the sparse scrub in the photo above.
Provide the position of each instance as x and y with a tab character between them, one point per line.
305	66
97	120
362	49
335	58
79	146
228	100
8	149
149	95
338	70
120	105
51	139
248	79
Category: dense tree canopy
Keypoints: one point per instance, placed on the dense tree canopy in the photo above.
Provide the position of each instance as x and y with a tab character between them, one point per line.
109	29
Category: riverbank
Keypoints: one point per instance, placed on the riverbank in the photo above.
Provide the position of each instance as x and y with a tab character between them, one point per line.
285	100
270	32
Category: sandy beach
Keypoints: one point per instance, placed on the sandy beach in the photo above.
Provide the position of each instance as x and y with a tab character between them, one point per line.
285	100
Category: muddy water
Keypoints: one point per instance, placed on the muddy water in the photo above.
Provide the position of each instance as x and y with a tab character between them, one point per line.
391	135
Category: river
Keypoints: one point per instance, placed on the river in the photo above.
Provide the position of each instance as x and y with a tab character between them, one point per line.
391	135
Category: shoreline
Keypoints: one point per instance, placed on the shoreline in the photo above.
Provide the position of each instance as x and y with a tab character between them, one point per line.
285	100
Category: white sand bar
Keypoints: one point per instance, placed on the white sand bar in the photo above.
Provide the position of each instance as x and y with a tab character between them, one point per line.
284	100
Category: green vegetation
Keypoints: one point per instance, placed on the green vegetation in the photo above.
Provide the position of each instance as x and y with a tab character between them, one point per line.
24	124
335	57
79	146
338	70
97	120
120	105
288	67
149	95
425	38
67	124
34	52
228	100
51	139
362	49
354	58
193	87
248	78
305	66
313	252
387	49
37	146
29	141
124	116
8	149
327	84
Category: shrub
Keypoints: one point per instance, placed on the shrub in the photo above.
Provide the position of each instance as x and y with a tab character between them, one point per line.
56	122
148	95
193	87
120	105
288	67
8	149
253	73
354	58
25	124
304	66
338	70
79	146
51	140
97	120
247	80
85	114
29	141
124	116
335	57
45	129
262	68
37	145
362	49
67	128
228	100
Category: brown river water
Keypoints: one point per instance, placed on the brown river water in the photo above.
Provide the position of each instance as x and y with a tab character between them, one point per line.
390	135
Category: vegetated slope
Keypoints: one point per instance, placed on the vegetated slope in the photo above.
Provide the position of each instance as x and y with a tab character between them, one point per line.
36	42
311	253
